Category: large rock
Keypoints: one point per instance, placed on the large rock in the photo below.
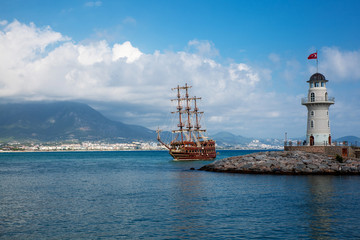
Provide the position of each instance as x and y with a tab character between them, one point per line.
287	162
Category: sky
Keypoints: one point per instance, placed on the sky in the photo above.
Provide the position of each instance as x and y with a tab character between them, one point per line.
246	59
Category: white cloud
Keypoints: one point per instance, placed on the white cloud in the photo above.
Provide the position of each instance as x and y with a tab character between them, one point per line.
217	119
203	48
3	22
20	42
127	51
93	53
341	65
39	63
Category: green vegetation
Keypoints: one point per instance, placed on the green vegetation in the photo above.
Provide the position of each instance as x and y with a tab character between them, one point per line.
339	158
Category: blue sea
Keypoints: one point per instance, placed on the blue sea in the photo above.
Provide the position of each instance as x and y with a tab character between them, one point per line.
146	195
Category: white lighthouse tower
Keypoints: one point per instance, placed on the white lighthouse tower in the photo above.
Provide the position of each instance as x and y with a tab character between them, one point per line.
318	103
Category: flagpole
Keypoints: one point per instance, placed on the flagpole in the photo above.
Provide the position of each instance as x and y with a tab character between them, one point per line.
317	63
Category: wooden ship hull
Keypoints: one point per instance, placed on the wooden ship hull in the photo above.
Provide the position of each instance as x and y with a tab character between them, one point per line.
188	151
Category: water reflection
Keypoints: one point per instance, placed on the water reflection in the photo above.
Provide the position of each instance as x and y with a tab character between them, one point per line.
189	205
320	207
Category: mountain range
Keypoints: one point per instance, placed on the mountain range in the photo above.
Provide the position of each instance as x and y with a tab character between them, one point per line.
69	121
352	140
63	121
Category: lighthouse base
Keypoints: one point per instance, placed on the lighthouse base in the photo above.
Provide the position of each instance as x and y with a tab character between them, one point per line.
318	139
344	151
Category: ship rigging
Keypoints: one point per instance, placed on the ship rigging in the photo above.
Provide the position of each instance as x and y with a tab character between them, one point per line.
190	141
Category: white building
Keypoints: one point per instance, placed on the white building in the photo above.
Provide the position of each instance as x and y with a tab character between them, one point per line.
318	103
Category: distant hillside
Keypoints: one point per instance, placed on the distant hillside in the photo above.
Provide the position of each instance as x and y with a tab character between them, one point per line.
352	140
61	121
229	139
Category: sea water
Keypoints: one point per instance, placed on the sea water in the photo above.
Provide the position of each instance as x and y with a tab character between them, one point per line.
146	195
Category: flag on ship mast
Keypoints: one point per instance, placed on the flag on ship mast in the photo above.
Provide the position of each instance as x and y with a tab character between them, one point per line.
314	56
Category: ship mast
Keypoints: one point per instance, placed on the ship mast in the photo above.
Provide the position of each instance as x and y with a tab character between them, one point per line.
179	110
188	108
197	125
189	127
190	131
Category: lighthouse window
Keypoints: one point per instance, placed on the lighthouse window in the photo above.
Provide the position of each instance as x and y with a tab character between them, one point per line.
312	124
322	84
311	85
312	97
312	113
316	84
328	124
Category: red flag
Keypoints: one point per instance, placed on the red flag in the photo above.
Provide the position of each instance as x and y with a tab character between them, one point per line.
313	56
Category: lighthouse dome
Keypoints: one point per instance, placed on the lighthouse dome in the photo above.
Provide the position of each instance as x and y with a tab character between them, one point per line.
317	77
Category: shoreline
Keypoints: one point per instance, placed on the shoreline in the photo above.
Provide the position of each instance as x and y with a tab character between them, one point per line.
126	150
52	151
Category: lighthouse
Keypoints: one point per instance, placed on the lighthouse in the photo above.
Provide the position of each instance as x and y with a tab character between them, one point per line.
318	103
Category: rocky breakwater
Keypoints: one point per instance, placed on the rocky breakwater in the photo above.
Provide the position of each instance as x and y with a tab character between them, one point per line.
287	162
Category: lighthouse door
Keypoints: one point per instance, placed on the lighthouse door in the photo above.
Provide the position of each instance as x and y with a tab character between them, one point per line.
344	152
311	140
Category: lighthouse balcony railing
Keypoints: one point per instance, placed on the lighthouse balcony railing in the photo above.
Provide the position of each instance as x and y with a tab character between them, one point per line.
306	100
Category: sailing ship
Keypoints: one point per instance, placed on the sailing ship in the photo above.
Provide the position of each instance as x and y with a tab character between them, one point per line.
190	141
